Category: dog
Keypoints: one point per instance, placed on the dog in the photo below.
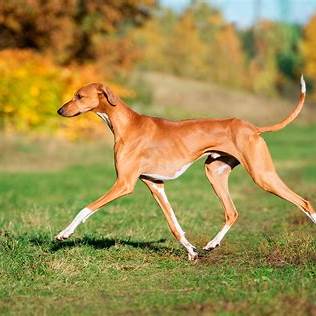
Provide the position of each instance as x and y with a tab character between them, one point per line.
155	150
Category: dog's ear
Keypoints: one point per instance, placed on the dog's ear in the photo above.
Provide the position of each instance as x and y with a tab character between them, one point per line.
108	93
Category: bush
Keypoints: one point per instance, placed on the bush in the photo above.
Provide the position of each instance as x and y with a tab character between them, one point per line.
30	89
33	87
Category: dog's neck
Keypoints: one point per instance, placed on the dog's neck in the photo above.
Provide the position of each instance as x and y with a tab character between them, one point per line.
106	119
118	118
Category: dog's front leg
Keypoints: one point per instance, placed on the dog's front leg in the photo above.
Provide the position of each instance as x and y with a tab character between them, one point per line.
120	188
158	192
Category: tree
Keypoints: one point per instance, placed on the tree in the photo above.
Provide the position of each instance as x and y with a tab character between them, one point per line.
263	66
308	47
71	29
227	47
186	51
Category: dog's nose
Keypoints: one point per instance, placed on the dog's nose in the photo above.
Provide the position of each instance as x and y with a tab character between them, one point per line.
60	111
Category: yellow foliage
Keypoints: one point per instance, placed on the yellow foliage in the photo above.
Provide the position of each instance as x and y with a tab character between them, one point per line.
191	54
227	47
263	67
198	44
85	125
152	42
32	88
309	49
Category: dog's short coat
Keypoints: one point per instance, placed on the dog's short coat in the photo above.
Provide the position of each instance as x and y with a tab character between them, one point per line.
156	150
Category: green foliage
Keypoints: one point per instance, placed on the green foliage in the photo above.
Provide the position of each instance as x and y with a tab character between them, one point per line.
289	58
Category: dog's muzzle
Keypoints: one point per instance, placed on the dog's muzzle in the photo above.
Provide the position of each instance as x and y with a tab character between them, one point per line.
61	111
64	113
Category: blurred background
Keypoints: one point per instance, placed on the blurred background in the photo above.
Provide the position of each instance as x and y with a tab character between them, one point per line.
170	58
174	58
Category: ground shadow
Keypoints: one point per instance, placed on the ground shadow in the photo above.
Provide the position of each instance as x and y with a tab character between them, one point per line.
103	243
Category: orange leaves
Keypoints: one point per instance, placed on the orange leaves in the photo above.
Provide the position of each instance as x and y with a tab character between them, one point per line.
68	28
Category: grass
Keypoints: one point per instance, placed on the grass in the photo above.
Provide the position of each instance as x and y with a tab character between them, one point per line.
124	261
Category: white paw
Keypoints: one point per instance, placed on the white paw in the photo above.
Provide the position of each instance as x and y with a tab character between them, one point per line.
313	217
212	245
193	255
65	234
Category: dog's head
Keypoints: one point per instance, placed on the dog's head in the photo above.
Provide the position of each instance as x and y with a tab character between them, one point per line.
92	97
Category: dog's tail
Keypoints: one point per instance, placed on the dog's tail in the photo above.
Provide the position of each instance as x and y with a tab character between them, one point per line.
291	117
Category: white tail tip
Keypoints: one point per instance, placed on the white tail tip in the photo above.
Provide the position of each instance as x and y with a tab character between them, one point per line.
303	85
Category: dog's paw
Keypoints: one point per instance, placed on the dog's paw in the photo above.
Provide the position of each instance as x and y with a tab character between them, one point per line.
65	234
193	255
211	245
311	216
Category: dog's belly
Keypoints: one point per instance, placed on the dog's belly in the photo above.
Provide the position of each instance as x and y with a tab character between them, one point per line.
176	172
163	176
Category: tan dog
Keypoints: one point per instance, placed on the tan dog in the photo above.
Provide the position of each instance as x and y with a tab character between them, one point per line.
155	150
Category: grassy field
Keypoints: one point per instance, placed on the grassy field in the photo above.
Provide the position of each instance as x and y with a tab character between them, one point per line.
124	261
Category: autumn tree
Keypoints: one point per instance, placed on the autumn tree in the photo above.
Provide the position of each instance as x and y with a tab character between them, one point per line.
308	47
198	43
72	30
153	39
186	51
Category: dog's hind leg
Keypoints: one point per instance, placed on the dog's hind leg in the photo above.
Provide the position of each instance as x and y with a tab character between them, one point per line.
258	162
217	172
158	192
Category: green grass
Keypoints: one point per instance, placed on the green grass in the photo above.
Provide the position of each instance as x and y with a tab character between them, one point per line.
124	261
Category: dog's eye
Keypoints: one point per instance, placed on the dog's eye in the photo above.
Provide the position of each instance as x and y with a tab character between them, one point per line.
78	96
